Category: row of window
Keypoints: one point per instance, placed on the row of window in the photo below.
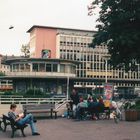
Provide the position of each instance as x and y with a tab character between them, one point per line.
75	39
43	67
70	54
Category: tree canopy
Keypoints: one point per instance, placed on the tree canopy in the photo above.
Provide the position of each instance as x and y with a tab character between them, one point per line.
25	49
119	28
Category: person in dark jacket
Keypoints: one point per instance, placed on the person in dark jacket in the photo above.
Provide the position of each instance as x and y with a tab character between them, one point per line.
21	119
74	101
74	98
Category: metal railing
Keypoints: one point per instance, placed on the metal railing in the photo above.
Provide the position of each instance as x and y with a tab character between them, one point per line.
40	74
31	100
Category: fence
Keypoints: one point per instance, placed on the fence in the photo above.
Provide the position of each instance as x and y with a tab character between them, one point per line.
22	100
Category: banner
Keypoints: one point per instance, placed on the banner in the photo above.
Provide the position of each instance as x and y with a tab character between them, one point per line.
108	91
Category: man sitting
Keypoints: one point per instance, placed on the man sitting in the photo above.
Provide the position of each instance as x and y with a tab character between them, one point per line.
80	109
21	119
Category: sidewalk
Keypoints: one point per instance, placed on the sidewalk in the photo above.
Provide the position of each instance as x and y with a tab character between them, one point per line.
67	129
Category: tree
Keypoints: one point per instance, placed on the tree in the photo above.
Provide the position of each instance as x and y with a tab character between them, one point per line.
25	49
119	28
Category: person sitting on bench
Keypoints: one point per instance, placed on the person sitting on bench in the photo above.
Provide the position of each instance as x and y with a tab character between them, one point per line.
80	109
21	119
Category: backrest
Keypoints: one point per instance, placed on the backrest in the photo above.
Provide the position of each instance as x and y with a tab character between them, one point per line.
6	118
38	106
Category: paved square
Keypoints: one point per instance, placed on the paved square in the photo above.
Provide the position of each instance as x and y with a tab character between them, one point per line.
67	129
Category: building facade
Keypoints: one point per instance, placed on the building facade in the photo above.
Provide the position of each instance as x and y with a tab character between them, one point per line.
5	85
48	75
73	44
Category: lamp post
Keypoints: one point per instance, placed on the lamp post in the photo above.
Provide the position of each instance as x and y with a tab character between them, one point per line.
67	96
106	70
106	58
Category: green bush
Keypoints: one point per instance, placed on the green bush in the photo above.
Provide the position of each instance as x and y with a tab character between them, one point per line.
36	93
128	105
138	102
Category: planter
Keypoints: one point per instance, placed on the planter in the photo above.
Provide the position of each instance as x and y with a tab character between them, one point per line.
138	114
131	115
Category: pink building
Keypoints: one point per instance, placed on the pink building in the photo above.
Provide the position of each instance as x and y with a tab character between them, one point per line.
44	39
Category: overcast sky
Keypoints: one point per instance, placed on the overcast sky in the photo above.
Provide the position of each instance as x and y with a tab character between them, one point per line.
23	14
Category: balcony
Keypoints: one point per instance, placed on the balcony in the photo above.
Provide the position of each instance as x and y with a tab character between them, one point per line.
39	74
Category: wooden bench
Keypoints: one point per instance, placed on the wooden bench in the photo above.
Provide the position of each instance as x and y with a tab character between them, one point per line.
14	125
40	108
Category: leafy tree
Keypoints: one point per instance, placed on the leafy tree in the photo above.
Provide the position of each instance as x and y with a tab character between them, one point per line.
119	28
25	49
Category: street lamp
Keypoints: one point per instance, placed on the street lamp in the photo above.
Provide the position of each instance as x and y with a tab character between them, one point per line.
67	96
106	58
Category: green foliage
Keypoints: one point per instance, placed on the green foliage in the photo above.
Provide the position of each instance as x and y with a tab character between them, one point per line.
11	93
118	28
129	105
37	93
137	104
25	49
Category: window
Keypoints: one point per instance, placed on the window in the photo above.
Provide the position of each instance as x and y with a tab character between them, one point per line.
21	67
48	67
62	68
27	67
35	67
42	67
54	67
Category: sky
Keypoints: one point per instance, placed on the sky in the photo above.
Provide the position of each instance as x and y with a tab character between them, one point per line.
23	14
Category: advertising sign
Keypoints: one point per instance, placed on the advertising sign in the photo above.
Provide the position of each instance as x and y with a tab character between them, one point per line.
108	91
46	53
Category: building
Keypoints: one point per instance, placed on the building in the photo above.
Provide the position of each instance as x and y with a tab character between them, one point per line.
73	44
48	75
5	85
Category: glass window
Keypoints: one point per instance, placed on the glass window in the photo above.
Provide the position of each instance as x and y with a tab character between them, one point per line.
35	67
48	67
54	67
62	68
27	67
15	67
42	67
21	67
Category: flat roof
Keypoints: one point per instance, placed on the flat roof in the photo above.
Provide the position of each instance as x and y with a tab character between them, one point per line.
39	59
39	26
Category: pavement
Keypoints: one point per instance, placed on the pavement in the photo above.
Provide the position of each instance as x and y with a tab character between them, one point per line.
67	129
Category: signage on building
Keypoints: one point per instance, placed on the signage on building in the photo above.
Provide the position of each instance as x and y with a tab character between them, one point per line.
46	53
108	91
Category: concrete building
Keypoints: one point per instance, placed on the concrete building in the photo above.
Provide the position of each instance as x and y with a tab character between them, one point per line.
5	85
48	75
73	44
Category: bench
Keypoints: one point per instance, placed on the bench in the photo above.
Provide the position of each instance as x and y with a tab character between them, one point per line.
14	125
40	108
